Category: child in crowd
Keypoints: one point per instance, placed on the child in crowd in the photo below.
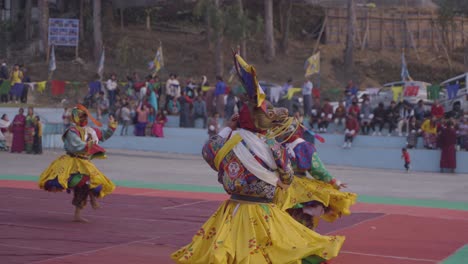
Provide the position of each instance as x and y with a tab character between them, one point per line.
406	157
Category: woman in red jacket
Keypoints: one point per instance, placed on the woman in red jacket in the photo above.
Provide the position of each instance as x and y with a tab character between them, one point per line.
352	128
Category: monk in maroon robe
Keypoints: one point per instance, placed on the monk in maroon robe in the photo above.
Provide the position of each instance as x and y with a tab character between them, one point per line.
447	142
17	129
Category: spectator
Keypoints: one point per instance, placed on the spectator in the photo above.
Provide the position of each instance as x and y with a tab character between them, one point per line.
4	71
102	105
352	128
199	110
126	118
172	88
406	157
392	117
5	135
307	96
340	115
66	118
111	86
37	143
379	119
353	90
447	142
406	111
190	88
142	120
437	110
315	113
158	127
17	128
29	131
230	106
185	105
429	132
286	86
326	115
420	112
354	108
213	125
414	131
463	133
366	117
220	92
16	78
456	113
173	107
151	119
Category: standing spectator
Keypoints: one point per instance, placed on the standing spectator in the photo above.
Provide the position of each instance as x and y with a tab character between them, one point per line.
219	94
158	127
172	88
29	131
351	131
307	96
151	119
17	128
437	110
414	132
340	115
66	118
379	119
111	86
463	133
102	105
16	78
213	125
392	117
326	116
406	111
406	157
190	88
37	144
5	136
420	112
429	131
230	106
142	120
315	114
185	105
447	142
26	81
125	116
199	110
366	117
285	88
4	71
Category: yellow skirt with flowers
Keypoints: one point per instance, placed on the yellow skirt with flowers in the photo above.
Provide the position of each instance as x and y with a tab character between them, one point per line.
64	166
246	232
305	189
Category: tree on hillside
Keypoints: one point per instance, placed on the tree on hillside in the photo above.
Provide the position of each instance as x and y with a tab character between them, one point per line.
27	20
285	14
269	32
44	25
348	54
97	29
219	36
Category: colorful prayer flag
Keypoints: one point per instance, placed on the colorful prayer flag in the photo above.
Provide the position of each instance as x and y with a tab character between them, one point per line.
41	86
158	62
312	64
248	77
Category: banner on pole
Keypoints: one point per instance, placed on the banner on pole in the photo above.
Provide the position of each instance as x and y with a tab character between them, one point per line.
64	32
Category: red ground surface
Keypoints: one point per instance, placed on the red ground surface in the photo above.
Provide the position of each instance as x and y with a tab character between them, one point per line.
145	226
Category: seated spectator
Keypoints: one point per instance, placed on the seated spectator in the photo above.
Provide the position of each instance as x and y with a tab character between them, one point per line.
437	110
213	125
414	131
315	114
160	122
429	132
102	105
378	119
199	110
406	111
419	112
340	115
351	131
354	108
366	117
456	113
392	117
326	116
173	107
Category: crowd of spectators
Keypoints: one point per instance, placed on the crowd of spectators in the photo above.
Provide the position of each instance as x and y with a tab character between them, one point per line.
13	83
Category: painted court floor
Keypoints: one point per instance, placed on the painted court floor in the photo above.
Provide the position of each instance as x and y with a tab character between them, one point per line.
144	225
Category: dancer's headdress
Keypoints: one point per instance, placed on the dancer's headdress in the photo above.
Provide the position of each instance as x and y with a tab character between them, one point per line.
79	110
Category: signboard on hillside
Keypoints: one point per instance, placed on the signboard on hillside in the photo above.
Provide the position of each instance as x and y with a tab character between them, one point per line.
64	31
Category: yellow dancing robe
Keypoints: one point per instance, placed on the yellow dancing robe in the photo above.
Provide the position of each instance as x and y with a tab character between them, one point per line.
322	188
80	150
249	228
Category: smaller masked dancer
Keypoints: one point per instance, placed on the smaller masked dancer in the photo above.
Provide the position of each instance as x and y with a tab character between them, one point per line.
310	198
74	170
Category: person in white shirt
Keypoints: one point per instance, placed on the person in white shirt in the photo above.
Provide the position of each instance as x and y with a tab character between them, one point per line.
307	96
172	88
111	86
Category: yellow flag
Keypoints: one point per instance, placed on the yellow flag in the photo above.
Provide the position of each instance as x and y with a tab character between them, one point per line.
41	86
291	92
312	64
